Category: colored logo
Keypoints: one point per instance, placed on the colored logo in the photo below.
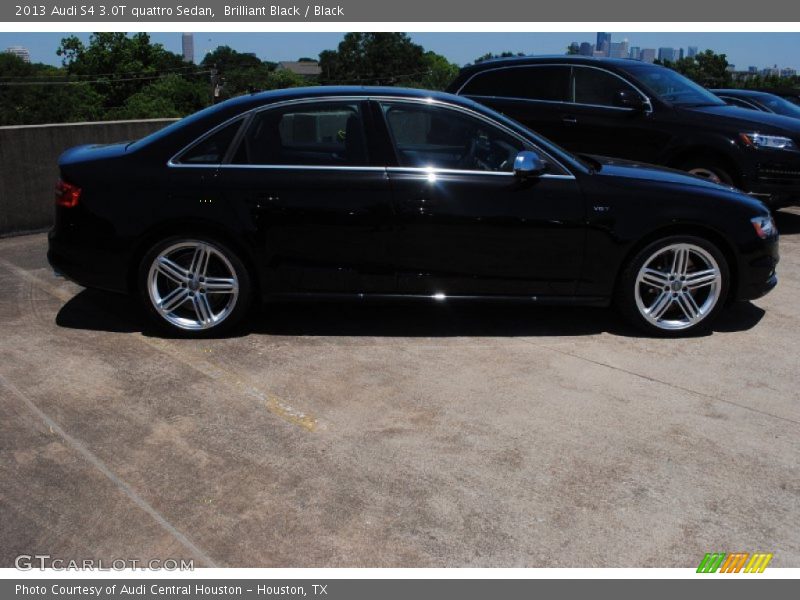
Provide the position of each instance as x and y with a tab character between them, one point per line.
735	562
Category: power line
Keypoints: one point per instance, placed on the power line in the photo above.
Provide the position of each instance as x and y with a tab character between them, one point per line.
78	82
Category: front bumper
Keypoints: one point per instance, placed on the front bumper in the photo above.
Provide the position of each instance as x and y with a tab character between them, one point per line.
758	275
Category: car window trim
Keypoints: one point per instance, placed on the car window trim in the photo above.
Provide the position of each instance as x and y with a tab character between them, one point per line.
571	67
174	161
491	122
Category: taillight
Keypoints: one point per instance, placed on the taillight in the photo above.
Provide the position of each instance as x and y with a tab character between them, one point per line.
67	195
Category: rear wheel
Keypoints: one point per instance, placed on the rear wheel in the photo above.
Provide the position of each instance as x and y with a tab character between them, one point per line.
674	286
193	286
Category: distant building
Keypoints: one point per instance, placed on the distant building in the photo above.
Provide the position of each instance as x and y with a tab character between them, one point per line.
306	68
586	49
187	44
752	69
691	51
666	54
771	71
647	55
619	50
603	44
680	54
635	52
788	72
20	52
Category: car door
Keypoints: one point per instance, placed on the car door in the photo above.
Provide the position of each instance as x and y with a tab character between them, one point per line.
302	180
595	122
466	225
534	95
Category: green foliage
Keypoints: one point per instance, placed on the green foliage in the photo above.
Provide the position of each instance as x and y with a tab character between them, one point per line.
381	59
707	68
170	96
490	56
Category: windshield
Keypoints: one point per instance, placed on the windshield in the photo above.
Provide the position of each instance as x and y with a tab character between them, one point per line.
780	106
674	88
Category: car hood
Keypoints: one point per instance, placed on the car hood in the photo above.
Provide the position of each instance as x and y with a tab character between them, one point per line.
624	173
617	167
92	152
746	119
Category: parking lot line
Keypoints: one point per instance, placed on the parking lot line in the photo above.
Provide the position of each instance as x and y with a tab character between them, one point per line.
123	486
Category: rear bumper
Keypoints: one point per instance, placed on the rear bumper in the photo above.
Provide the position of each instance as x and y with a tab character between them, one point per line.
85	265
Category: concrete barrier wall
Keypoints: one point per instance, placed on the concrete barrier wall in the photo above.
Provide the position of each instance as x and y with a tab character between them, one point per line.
28	165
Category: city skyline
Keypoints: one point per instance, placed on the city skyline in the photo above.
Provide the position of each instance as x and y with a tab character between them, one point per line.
742	49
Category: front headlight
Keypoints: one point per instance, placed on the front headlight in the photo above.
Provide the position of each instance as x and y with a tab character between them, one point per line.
764	226
772	142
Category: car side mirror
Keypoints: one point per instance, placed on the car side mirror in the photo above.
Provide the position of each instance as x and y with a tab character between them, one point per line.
528	164
629	99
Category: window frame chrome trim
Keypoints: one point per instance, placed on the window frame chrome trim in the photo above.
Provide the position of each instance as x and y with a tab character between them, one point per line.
648	102
249	114
481	117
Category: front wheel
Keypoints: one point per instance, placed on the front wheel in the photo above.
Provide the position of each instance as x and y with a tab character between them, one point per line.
674	286
193	286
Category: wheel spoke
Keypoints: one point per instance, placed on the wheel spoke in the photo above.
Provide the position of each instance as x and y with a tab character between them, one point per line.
200	260
172	270
700	279
654	278
219	285
173	300
688	306
202	309
660	306
680	261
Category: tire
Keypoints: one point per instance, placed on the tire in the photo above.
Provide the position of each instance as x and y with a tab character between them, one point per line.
194	286
709	168
674	286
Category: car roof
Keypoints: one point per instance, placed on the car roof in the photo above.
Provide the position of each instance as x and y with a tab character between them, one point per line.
269	97
743	93
567	59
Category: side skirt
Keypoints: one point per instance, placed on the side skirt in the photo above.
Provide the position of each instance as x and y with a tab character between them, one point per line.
600	301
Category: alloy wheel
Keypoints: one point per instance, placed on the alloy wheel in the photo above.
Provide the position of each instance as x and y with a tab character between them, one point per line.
192	285
678	286
706	174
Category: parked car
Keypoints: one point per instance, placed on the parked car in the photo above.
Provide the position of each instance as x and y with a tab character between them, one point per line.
755	100
365	193
635	110
790	94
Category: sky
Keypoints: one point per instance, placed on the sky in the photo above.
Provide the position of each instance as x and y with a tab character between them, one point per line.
742	49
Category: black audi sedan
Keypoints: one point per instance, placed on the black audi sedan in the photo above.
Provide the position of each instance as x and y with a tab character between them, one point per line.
639	111
362	193
762	101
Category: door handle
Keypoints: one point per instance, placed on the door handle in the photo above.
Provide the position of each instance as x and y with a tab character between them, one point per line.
569	120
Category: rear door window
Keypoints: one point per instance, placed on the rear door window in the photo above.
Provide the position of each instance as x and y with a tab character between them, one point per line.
598	87
546	82
308	134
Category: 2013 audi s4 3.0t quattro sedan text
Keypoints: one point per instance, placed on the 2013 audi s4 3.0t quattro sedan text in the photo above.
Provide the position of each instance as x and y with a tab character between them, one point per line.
383	192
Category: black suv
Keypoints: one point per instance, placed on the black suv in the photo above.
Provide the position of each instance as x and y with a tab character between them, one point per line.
646	113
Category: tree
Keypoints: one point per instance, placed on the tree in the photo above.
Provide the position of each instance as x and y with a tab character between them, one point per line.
490	56
239	72
373	59
170	96
707	68
117	66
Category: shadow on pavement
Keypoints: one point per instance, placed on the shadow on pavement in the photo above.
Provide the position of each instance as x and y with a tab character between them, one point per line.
788	222
100	311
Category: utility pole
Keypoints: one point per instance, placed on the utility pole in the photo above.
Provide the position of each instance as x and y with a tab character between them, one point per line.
216	84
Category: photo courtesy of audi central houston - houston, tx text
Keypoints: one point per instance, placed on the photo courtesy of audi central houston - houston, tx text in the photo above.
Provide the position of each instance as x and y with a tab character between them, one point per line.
341	300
